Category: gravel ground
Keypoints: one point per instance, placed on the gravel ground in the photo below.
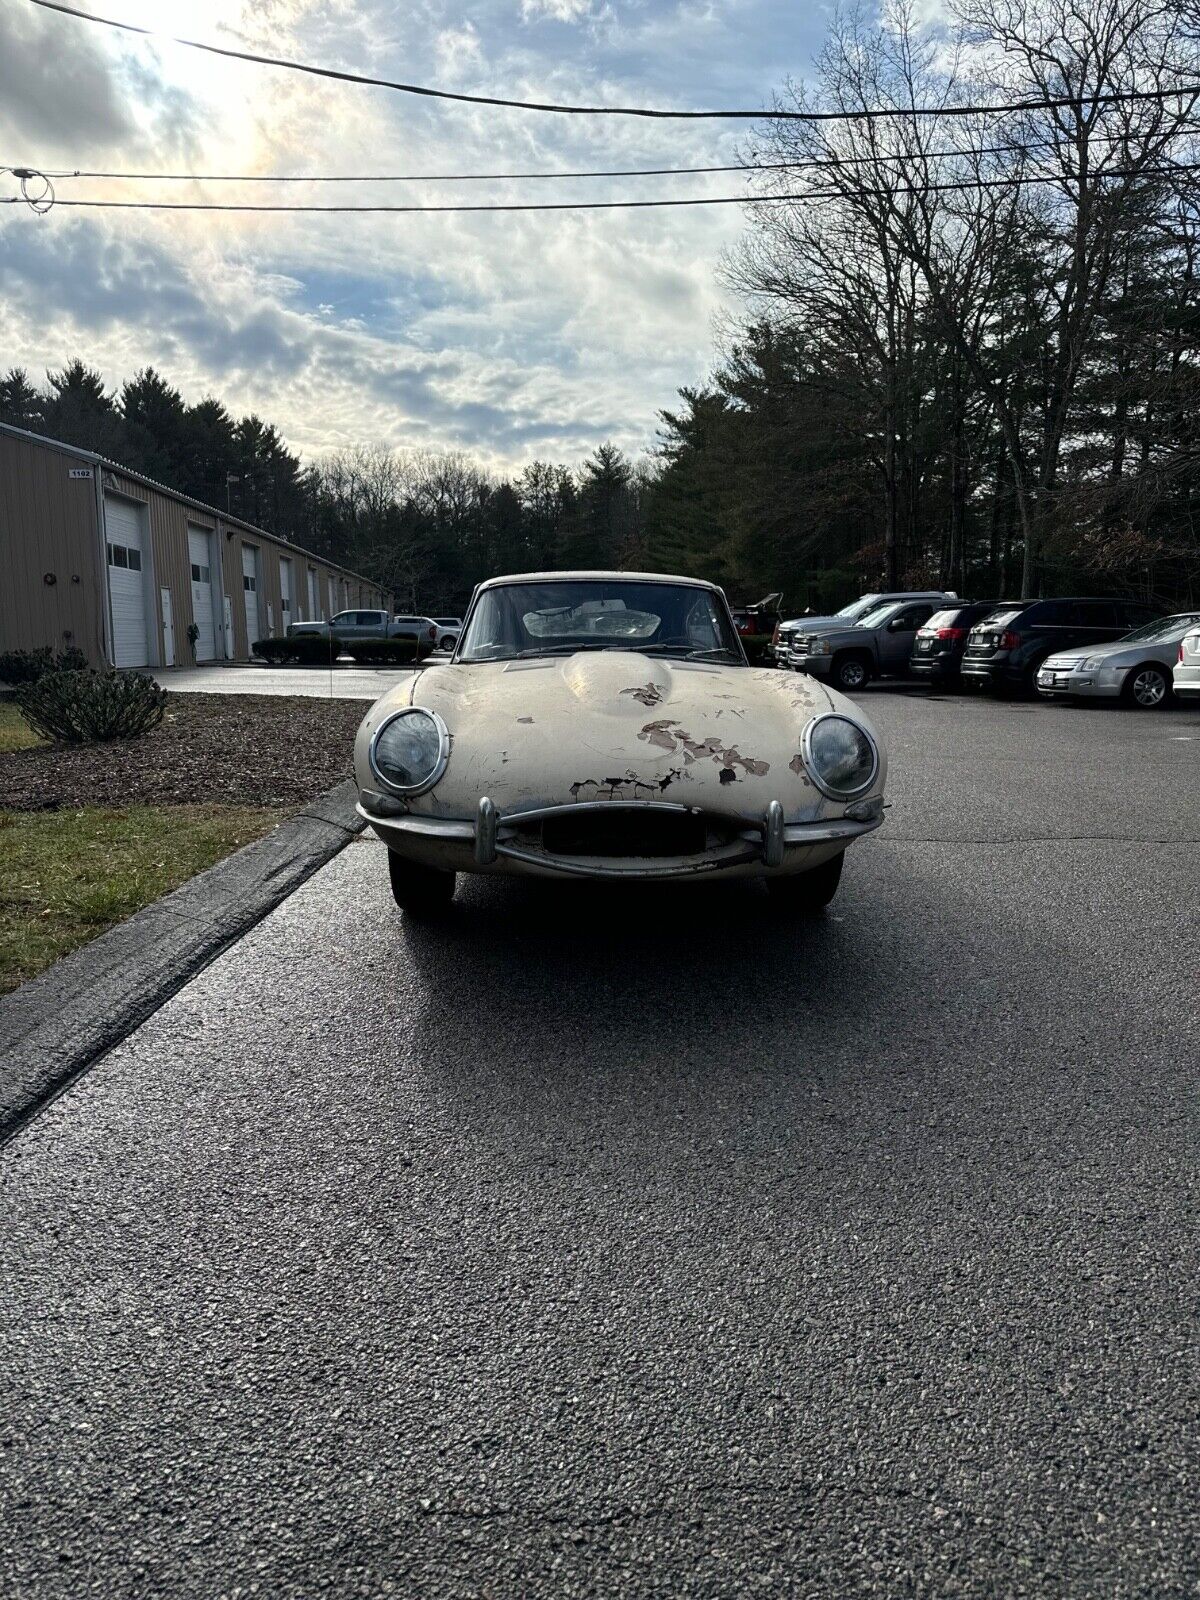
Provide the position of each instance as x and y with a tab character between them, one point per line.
246	750
641	1245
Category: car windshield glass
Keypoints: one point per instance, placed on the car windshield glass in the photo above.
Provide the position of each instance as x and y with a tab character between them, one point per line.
942	619
872	619
999	619
858	608
559	617
1163	630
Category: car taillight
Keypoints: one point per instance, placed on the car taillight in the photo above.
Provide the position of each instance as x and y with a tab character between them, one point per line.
951	633
433	633
1008	641
1179	657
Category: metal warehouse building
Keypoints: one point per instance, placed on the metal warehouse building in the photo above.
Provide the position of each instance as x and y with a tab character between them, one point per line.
96	556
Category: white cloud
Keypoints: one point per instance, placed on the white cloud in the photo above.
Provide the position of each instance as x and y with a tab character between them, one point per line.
503	334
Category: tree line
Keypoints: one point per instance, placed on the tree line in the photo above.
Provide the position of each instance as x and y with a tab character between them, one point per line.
968	354
428	526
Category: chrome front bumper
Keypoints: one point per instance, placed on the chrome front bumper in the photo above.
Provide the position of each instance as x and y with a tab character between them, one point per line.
490	840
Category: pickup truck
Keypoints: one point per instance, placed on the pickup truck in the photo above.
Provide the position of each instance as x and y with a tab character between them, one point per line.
364	636
877	646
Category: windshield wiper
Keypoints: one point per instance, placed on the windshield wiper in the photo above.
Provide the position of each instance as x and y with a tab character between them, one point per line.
687	652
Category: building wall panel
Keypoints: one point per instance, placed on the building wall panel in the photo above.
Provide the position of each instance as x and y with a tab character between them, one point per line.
48	526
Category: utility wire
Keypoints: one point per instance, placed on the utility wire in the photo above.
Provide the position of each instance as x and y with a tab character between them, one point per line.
610	205
867	114
830	162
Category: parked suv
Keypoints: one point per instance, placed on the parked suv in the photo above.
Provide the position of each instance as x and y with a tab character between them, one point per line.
1186	681
940	643
1005	650
786	632
878	646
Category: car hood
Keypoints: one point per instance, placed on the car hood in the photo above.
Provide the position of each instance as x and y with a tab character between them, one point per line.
807	624
1112	649
620	726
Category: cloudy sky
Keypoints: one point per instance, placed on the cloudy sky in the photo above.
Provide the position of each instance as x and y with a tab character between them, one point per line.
507	336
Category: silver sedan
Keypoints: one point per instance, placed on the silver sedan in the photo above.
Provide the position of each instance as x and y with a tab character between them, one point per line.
1135	668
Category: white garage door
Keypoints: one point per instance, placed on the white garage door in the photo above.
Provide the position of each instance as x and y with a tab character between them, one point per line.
124	525
285	593
250	593
204	601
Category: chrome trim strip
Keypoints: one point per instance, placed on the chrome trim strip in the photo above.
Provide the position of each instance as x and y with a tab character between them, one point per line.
596	867
538	813
485	833
773	835
439	766
827	832
446	828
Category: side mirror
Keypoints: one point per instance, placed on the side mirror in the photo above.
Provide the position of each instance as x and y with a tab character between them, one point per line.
900	625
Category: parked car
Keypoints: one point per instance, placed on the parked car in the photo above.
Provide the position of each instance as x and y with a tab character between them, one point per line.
879	645
938	648
1005	650
786	631
756	625
365	636
1186	677
1135	668
607	725
448	629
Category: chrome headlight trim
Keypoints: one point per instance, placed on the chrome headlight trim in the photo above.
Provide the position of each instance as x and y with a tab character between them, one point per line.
439	765
810	767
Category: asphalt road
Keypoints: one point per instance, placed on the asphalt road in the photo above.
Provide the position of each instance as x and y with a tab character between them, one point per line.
639	1244
344	681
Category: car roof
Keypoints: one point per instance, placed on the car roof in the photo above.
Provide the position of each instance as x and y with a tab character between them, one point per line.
620	577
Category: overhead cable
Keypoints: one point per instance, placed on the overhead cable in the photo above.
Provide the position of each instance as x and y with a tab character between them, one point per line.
865	114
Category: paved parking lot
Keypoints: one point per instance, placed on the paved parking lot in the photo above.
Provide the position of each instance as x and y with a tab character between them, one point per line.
636	1244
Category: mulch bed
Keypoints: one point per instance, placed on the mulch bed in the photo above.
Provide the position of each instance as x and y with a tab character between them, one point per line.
246	750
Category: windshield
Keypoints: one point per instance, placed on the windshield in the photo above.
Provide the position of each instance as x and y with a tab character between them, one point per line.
873	619
858	608
1163	630
551	617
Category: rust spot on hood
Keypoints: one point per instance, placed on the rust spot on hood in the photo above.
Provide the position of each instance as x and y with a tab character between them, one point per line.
629	787
666	734
524	719
649	694
797	765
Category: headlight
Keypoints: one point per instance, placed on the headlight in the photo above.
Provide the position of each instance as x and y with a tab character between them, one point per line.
1090	663
818	647
839	756
409	750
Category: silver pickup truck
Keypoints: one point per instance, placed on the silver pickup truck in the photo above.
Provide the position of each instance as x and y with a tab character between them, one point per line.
877	646
364	636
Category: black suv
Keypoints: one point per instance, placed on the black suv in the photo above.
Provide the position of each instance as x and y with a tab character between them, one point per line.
1005	650
939	645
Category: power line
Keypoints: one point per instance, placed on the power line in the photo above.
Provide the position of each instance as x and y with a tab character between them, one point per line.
607	205
813	164
867	114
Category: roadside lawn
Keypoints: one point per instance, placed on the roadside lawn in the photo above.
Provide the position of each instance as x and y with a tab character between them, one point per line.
66	876
15	732
91	833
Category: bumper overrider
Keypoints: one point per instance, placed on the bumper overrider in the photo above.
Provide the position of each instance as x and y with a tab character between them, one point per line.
516	841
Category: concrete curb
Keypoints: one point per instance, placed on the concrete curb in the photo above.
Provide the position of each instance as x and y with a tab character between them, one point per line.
54	1027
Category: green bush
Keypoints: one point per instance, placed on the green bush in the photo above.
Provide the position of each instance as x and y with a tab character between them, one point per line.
27	666
79	707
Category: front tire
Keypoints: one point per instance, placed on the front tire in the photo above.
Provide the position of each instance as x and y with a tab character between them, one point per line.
1146	688
806	894
419	891
850	673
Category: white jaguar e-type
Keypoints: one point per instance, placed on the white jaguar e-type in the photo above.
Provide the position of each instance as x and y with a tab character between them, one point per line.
607	725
